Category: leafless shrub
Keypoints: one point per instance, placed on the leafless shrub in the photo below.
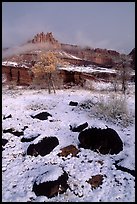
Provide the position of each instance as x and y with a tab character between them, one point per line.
114	108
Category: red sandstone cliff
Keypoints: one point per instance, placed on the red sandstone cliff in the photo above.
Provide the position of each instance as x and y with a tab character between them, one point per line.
45	38
101	57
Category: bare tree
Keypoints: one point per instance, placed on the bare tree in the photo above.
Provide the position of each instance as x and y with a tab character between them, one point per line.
123	73
46	67
115	80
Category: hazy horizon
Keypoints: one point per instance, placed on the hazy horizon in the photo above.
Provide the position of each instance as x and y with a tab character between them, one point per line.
107	25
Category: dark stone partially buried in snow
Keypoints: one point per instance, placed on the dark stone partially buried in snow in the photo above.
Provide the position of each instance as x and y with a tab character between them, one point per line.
105	141
78	128
30	139
25	127
18	133
72	103
8	116
43	147
8	130
51	188
122	168
4	142
42	116
14	132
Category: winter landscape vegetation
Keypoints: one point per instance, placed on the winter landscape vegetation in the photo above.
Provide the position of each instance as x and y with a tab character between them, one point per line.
68	122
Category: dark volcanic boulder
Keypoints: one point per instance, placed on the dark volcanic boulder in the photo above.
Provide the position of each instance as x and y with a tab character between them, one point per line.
10	130
44	147
29	138
50	184
122	168
106	141
14	132
72	103
42	116
8	116
4	142
78	128
18	133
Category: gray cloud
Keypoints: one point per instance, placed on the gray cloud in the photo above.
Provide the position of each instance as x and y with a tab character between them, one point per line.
86	24
25	48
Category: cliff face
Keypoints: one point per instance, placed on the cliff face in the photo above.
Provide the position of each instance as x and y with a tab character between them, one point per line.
100	57
18	75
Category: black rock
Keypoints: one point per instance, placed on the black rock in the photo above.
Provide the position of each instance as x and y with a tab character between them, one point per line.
106	141
18	133
14	132
4	142
42	116
118	167
72	103
5	117
79	128
23	139
25	127
10	130
51	188
43	147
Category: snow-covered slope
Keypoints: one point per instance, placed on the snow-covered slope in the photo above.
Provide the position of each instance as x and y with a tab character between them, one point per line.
88	69
67	55
20	171
13	64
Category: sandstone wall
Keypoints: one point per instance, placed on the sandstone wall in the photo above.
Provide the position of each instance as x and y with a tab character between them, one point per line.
19	75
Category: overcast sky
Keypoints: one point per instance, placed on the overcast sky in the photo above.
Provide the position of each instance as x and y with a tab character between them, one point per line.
109	25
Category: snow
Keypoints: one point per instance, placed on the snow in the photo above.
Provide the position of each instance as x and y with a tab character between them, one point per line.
52	173
9	63
20	171
64	54
88	69
13	64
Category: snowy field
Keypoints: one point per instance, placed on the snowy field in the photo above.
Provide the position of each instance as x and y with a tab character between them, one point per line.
20	171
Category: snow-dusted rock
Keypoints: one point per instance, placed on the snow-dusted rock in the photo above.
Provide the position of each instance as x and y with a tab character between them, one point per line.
44	147
105	141
51	183
71	149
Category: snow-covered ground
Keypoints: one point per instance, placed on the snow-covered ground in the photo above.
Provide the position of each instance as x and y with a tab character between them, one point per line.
13	64
88	69
20	171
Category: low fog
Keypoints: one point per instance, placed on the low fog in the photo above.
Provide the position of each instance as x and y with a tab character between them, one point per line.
16	50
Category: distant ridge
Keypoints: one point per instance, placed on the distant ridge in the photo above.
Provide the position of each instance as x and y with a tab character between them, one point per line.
46	41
